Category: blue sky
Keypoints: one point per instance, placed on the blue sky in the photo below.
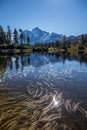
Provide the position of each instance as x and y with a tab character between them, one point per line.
61	16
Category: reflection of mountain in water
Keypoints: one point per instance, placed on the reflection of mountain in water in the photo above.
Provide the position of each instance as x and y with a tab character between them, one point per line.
37	60
43	92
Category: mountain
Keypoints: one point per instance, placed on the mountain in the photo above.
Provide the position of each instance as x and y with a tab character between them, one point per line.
39	36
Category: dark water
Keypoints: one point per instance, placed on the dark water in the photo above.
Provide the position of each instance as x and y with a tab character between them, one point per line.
43	92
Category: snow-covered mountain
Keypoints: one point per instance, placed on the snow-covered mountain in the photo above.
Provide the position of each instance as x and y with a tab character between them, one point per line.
39	36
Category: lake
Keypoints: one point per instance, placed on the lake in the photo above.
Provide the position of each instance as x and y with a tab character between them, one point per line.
43	92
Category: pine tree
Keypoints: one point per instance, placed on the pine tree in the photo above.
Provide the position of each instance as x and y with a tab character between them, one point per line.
2	36
57	44
8	35
28	40
83	40
64	42
15	36
21	36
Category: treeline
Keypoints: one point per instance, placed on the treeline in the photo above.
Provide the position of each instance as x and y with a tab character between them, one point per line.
79	44
13	38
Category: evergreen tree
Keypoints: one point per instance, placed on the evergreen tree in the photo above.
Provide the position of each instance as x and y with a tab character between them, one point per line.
64	42
8	35
15	36
57	43
21	36
28	40
83	40
2	36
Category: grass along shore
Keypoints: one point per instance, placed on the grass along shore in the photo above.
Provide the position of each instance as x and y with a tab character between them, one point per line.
15	48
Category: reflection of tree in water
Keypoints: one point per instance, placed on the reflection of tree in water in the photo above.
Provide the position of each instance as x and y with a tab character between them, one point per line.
17	62
83	57
24	60
57	55
80	56
7	61
3	64
28	60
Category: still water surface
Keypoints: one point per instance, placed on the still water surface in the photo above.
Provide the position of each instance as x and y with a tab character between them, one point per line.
43	92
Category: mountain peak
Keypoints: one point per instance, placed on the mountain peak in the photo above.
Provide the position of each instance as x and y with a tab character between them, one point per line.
40	36
36	29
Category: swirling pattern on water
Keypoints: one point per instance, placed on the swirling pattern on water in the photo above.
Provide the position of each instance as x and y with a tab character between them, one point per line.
44	97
